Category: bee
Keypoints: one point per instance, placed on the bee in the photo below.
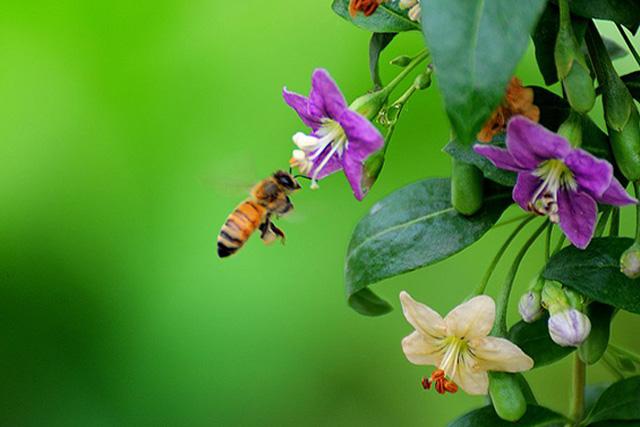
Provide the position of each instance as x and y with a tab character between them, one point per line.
268	198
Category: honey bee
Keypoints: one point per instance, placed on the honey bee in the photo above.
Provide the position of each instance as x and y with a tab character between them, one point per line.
268	198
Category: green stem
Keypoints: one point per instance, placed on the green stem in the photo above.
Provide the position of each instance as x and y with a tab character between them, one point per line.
406	71
632	49
602	223
511	220
631	355
565	15
487	275
579	379
615	223
636	187
606	361
561	241
547	243
500	325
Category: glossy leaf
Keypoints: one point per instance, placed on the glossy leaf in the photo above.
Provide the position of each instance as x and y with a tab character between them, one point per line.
413	227
534	340
621	401
625	12
536	416
465	153
388	18
475	48
595	272
378	42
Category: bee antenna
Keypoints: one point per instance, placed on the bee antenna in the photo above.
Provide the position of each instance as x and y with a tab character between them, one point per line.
303	176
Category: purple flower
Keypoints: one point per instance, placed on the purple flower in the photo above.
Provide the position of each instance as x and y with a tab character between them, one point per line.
341	138
555	179
569	328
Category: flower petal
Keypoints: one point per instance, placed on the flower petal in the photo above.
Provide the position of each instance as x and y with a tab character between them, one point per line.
530	143
301	105
473	318
498	156
592	174
421	349
616	195
364	138
353	170
472	381
578	213
424	319
525	188
325	99
499	354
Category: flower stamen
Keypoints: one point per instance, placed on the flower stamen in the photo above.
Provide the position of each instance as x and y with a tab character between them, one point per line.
555	176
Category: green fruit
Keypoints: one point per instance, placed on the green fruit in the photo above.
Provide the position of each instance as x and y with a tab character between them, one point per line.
467	187
507	396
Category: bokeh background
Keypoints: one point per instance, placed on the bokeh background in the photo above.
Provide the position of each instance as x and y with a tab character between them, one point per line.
128	131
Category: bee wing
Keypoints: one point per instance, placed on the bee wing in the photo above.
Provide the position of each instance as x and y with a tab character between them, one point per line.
231	176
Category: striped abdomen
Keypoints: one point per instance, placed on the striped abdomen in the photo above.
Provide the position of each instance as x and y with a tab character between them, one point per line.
242	222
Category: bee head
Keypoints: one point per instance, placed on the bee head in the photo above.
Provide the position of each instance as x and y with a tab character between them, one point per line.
286	180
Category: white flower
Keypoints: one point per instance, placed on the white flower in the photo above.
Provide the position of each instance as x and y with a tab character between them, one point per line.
530	307
569	328
459	344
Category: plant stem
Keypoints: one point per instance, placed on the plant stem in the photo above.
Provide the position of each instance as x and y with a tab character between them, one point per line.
602	223
615	223
609	365
547	242
511	220
406	71
561	241
487	275
500	325
636	187
632	49
579	378
631	355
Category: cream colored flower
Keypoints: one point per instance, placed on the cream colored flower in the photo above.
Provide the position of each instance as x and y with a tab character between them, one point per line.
414	8
459	344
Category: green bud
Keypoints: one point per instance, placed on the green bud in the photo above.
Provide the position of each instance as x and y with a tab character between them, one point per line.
571	129
554	298
401	61
369	105
630	261
423	80
625	145
507	396
578	86
467	187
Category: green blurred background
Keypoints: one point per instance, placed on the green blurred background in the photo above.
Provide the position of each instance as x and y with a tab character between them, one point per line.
128	131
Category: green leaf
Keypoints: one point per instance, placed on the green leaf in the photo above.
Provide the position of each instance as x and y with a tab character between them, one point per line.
379	41
625	12
612	423
536	416
621	401
592	393
534	340
465	153
595	273
414	227
476	46
615	50
388	18
632	80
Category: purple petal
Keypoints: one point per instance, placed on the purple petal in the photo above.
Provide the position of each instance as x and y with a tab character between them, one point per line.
353	171
578	213
498	156
364	138
333	164
592	174
325	99
525	188
301	105
530	143
616	195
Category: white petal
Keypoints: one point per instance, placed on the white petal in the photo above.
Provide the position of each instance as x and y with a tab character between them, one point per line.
469	379
473	318
406	4
421	350
425	320
499	354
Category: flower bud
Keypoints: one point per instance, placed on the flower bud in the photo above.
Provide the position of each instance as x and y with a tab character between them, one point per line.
369	105
554	298
423	81
401	61
630	261
372	168
569	327
530	306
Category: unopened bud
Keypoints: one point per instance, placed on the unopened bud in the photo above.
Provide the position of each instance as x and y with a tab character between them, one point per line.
369	105
554	298
630	261
569	328
401	61
530	307
372	168
423	80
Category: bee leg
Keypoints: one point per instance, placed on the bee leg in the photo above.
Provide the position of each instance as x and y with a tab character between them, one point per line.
266	234
286	207
277	232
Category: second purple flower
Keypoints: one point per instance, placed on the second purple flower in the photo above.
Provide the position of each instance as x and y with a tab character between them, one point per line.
555	179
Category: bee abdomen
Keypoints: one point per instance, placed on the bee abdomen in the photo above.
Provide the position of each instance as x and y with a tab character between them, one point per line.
242	222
